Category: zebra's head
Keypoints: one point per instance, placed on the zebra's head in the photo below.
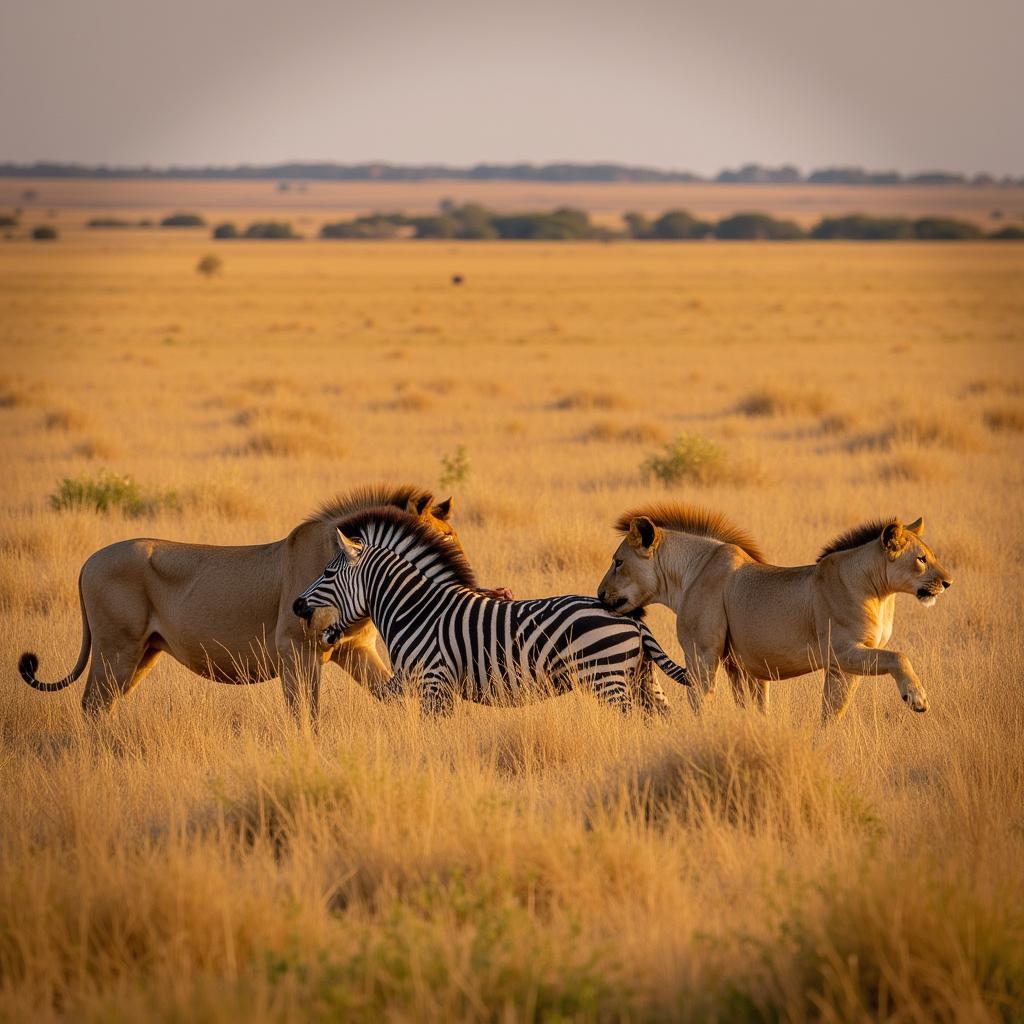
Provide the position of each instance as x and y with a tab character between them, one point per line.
339	588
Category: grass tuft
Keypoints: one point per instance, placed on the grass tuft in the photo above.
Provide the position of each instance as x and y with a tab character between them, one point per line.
109	492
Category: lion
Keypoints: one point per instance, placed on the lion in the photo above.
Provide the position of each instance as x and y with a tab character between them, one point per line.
225	612
765	622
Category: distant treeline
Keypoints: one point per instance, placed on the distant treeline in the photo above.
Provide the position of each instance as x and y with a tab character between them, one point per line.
473	221
554	172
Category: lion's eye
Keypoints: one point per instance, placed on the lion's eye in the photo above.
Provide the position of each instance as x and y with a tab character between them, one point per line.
922	559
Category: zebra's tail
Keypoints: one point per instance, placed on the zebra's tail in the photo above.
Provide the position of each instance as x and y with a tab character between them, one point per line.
28	663
660	658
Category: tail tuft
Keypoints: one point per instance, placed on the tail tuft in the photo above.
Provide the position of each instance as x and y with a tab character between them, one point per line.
28	665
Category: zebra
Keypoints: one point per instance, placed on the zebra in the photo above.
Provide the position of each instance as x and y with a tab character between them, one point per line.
420	594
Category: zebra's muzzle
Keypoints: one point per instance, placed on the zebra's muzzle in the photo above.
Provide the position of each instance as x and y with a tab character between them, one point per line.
302	609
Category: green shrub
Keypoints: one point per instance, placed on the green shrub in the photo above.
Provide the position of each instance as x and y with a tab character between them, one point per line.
689	457
225	230
110	491
1011	233
44	233
183	220
8	220
209	265
454	467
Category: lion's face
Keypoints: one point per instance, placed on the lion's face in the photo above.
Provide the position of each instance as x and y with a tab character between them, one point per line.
912	567
632	581
436	516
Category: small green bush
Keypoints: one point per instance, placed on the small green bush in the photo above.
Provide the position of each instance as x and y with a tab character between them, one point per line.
209	265
108	492
454	467
689	457
44	233
226	230
8	220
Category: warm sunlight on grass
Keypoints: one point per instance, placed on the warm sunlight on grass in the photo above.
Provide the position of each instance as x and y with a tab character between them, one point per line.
195	857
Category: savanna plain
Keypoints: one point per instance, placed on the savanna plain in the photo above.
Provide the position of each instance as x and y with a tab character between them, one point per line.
197	856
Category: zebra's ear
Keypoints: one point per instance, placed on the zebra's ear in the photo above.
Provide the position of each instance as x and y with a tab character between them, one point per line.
643	537
443	510
349	548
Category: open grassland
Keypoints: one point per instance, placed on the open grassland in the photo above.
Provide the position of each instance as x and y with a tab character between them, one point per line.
195	856
69	203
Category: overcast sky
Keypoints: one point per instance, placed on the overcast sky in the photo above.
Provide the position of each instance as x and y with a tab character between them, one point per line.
905	84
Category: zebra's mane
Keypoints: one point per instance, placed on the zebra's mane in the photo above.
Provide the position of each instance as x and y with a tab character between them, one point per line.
695	520
371	496
434	556
856	536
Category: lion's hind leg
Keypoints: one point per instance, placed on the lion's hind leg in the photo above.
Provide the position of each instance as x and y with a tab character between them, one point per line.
746	689
116	669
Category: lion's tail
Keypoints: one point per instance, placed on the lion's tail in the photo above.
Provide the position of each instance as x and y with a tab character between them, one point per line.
28	663
661	659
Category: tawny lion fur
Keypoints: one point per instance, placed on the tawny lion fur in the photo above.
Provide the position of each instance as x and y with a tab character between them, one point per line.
224	612
764	622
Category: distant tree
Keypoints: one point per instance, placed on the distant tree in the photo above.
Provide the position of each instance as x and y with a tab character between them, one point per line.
675	224
474	221
859	226
1011	233
937	178
270	229
44	233
108	222
225	230
945	229
183	220
435	227
209	265
757	226
8	220
638	225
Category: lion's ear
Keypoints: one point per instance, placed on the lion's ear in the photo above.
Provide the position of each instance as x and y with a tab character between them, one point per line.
417	506
643	537
893	540
443	510
917	526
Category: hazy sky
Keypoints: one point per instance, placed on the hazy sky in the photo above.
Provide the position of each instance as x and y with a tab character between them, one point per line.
909	84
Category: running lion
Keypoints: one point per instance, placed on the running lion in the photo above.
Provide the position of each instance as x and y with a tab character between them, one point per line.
765	622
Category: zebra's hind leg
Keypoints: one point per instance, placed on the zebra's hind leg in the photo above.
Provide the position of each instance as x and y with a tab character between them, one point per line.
650	696
438	696
614	690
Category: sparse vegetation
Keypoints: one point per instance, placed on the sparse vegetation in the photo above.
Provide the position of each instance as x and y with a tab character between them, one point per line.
225	230
782	402
44	233
689	458
110	492
210	265
454	467
195	857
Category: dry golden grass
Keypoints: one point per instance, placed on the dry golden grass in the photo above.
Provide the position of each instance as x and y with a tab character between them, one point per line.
195	856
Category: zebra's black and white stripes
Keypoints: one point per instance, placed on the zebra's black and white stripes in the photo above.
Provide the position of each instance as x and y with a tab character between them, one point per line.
419	594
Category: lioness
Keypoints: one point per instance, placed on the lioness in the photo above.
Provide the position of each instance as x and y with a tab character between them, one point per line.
769	622
224	612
